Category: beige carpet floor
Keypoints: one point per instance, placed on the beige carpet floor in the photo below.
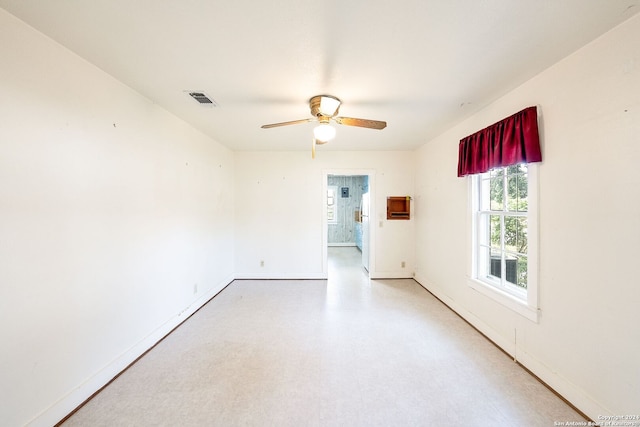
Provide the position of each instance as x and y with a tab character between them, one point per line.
344	352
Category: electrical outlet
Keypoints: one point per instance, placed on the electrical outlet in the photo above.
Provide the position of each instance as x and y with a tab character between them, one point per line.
261	263
195	288
402	264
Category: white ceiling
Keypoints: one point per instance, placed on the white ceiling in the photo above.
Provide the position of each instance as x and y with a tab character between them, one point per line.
420	65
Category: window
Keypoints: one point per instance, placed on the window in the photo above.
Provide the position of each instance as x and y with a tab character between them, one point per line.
504	235
332	204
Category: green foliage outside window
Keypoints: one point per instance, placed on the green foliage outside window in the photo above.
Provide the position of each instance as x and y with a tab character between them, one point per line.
508	195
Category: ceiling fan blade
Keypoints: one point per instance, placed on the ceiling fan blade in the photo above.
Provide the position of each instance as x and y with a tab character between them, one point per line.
294	122
363	123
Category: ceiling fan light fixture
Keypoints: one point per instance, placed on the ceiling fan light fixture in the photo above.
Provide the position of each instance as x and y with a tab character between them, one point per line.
324	108
329	105
324	132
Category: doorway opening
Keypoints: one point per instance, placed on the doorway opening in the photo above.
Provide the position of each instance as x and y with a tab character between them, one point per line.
347	234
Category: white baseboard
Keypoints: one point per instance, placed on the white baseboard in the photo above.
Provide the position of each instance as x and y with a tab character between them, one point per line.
282	276
82	392
565	388
390	275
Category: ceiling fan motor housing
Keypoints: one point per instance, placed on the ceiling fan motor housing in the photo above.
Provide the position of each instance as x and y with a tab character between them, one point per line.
324	105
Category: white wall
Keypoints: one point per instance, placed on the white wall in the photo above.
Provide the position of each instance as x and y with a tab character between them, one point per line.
587	341
111	211
280	205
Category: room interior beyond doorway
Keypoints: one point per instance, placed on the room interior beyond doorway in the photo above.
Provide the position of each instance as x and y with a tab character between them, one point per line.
345	203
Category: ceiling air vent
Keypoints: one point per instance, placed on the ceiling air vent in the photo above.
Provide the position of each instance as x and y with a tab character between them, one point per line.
202	98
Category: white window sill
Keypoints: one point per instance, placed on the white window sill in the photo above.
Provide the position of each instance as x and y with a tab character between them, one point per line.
506	299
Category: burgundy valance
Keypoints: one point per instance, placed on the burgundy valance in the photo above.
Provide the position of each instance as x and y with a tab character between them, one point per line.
508	142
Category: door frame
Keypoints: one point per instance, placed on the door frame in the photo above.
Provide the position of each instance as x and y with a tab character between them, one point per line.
370	173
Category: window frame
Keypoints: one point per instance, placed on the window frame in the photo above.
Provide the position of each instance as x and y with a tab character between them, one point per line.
522	301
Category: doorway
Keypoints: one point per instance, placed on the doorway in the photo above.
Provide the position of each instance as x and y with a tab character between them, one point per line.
347	236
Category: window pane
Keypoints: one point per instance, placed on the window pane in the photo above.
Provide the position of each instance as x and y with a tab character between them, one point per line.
513	169
511	264
522	240
494	224
517	271
522	272
497	192
517	188
510	233
495	268
515	234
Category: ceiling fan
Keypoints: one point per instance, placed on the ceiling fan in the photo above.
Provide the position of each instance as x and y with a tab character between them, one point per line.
324	108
